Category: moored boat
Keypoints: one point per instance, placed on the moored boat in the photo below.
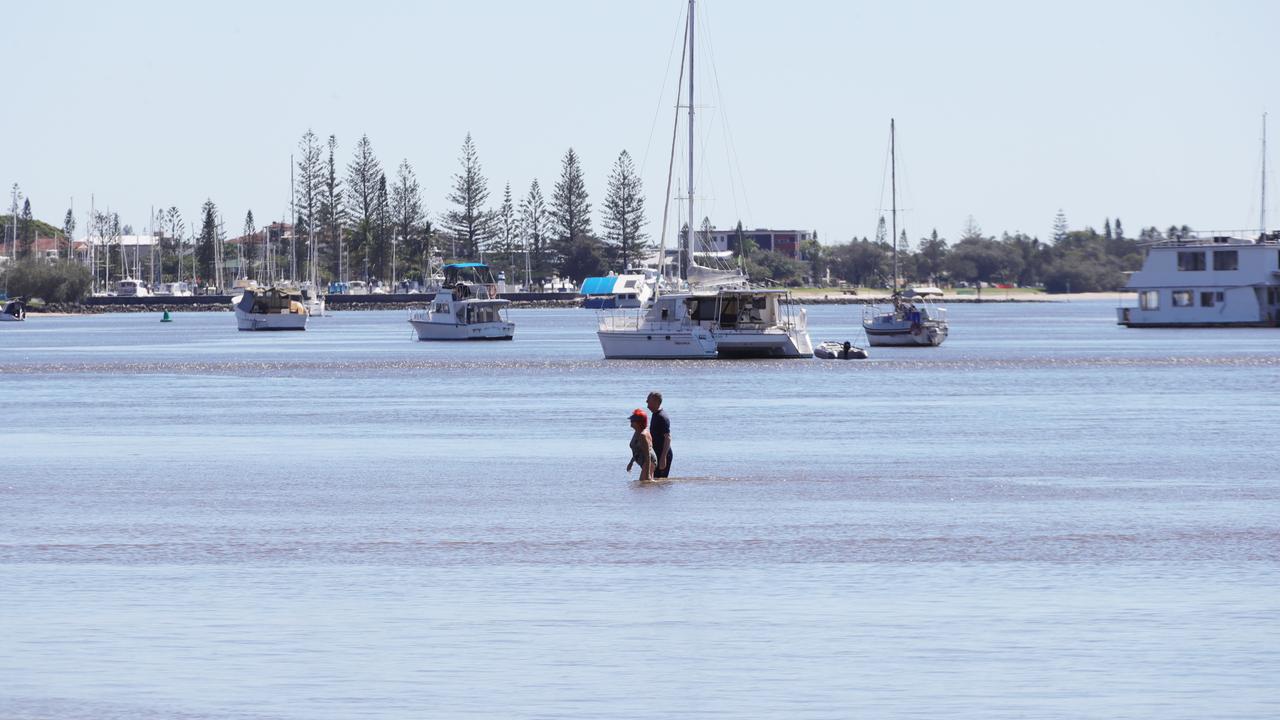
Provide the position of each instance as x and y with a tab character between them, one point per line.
1211	280
717	314
909	322
270	308
467	307
14	310
832	350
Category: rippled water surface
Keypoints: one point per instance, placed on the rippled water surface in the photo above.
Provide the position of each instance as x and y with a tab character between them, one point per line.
1049	516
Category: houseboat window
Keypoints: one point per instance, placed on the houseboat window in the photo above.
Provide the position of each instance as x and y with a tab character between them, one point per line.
1149	299
1183	298
1226	260
1191	261
1206	299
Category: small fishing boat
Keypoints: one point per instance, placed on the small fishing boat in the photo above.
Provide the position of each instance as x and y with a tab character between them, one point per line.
832	350
270	308
467	307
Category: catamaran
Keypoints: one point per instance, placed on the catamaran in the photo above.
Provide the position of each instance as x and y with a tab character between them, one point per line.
719	315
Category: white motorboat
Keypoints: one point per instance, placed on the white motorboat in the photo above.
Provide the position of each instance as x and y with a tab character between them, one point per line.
467	307
909	322
14	310
270	308
129	287
174	289
631	290
719	316
832	350
1214	280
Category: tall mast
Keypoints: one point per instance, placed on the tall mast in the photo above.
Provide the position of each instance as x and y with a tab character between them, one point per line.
690	244
893	184
293	228
1262	220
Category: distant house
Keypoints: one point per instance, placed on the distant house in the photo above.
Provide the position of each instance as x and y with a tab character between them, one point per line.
783	242
49	248
133	245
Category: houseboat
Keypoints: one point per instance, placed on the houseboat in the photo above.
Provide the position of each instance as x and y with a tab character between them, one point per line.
1211	280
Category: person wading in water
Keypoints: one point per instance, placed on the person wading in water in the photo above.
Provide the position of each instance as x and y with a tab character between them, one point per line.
641	446
660	430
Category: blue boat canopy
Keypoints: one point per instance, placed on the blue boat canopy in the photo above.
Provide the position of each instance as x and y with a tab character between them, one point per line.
466	265
598	285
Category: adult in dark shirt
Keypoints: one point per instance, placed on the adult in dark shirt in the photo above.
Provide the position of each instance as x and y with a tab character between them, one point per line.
660	430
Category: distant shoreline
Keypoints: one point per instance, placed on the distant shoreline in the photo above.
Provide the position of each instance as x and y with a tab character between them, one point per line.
803	296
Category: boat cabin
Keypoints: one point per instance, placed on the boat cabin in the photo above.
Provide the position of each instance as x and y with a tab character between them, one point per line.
275	300
730	309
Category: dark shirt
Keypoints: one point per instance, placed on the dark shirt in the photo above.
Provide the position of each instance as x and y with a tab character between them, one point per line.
659	428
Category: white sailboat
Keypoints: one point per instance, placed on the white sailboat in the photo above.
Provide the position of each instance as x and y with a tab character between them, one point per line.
719	316
909	322
467	307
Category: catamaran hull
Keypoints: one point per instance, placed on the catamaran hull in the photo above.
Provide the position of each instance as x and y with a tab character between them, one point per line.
679	344
763	344
454	331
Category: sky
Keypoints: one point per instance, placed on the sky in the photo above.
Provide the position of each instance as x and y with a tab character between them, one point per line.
1006	112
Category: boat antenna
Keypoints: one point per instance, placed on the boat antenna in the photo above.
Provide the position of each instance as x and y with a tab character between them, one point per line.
893	194
691	209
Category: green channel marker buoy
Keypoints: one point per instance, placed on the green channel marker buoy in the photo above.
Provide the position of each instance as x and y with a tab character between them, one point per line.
166	317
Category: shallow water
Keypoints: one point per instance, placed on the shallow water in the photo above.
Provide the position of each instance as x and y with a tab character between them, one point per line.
1048	516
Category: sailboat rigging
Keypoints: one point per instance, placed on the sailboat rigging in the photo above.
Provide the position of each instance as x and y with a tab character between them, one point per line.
719	315
910	321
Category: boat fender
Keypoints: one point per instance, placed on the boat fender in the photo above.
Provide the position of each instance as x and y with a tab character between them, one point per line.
493	292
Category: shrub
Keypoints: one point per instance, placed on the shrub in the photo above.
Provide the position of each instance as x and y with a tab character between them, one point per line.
62	281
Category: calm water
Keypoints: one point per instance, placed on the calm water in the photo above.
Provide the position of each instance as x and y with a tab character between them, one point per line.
1049	516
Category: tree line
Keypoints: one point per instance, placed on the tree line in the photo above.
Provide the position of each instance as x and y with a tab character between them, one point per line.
356	223
1083	260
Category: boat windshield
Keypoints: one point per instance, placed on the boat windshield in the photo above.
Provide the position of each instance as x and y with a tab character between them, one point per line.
472	273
